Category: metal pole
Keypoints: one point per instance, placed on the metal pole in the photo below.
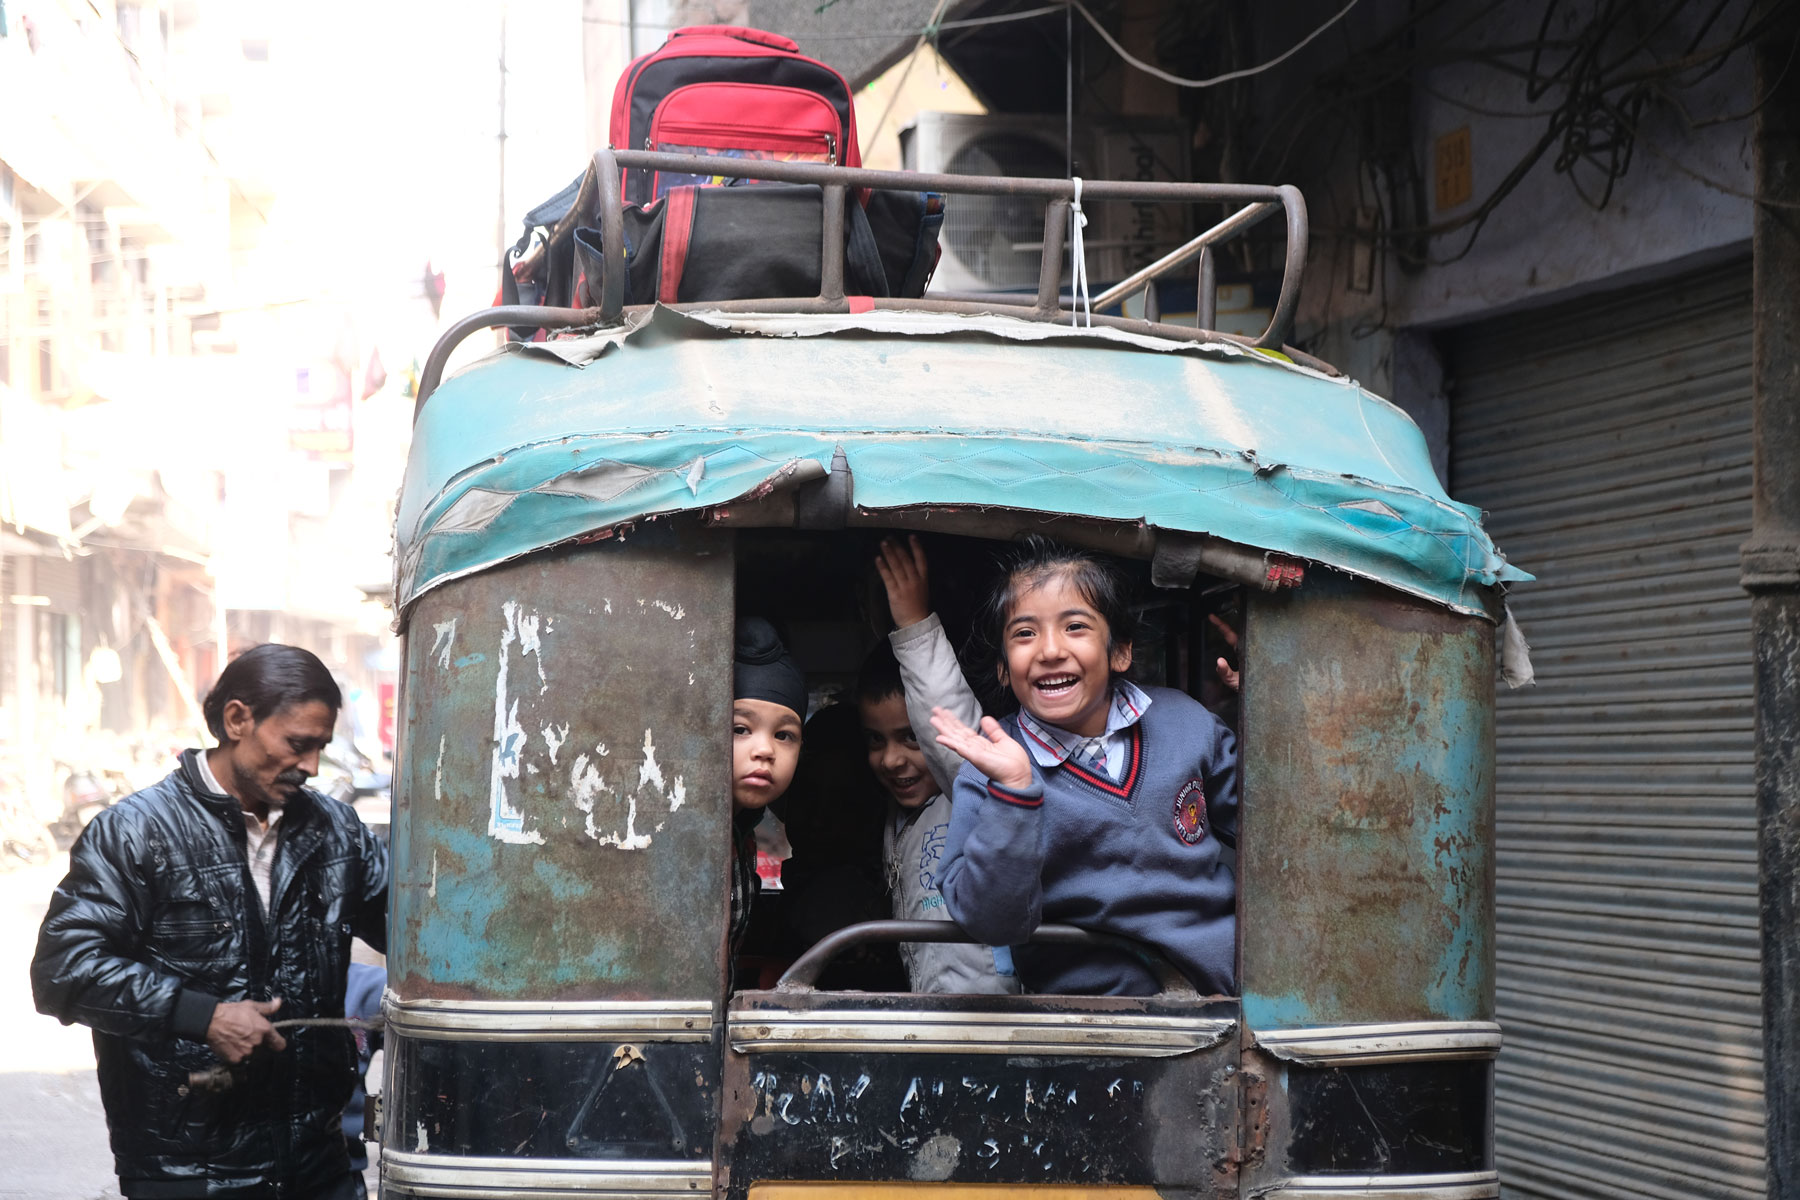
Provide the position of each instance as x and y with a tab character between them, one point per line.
1206	302
1771	574
1069	89
500	208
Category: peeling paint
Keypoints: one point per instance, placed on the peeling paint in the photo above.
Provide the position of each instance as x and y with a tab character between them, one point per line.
585	783
432	890
506	823
650	772
554	738
443	639
529	643
912	1094
677	795
423	1143
630	839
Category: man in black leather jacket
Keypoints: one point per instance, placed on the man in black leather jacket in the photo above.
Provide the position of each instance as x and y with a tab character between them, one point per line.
197	911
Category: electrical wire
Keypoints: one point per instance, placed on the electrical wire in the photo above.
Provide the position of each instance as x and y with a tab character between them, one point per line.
942	26
1178	81
887	110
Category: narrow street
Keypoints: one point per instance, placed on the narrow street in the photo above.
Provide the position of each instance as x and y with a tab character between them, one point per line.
52	1131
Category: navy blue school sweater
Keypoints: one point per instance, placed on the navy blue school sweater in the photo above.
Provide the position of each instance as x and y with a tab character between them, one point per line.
1141	858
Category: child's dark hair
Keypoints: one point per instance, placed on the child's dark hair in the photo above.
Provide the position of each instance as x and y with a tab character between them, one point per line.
879	676
1027	566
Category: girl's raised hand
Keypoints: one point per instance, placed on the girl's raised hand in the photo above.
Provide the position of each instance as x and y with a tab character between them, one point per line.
990	751
903	573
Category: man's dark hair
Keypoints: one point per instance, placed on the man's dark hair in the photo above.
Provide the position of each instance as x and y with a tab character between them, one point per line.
267	679
879	676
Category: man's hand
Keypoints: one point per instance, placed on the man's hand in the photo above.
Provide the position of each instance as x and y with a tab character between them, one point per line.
239	1027
991	751
1227	676
902	570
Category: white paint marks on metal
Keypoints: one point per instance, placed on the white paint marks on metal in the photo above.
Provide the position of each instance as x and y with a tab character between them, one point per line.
505	822
437	776
677	795
912	1096
432	890
674	610
585	783
630	838
609	608
554	739
650	772
443	641
529	643
423	1143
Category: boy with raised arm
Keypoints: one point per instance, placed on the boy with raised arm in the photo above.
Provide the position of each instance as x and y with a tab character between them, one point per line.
896	690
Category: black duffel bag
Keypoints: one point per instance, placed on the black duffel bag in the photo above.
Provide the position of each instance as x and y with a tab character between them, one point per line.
745	242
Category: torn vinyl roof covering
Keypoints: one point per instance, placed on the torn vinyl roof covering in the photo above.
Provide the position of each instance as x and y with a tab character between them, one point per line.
535	445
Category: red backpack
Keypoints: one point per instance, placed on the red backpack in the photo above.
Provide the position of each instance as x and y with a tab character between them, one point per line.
725	90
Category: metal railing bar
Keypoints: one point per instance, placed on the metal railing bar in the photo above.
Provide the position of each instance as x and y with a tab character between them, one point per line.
1237	222
1206	291
1049	294
535	315
831	261
804	974
956	185
1281	322
612	236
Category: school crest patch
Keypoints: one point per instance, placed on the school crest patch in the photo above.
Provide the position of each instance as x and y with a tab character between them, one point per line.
1190	812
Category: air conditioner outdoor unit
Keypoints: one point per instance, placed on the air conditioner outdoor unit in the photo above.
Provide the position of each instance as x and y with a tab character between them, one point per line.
992	243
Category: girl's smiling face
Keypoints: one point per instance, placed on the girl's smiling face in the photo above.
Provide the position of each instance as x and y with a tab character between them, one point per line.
1057	658
765	749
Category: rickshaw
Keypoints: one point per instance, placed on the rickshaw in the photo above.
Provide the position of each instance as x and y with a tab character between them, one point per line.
583	517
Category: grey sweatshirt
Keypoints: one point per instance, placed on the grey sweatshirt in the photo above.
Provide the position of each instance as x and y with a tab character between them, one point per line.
913	844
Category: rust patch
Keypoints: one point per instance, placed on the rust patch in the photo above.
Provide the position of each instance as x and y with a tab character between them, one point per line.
1365	868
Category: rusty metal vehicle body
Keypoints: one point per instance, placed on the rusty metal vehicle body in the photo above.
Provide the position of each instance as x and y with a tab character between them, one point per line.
581	522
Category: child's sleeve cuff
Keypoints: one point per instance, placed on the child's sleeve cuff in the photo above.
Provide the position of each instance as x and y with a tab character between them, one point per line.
1029	796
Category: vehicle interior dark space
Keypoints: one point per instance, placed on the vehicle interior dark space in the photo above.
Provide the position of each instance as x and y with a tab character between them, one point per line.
820	849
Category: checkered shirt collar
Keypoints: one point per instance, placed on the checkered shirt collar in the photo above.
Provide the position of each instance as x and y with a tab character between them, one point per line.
1051	746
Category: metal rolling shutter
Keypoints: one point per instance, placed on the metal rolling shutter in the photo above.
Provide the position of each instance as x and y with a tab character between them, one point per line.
1609	441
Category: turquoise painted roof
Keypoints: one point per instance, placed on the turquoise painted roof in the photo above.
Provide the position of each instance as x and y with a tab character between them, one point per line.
533	446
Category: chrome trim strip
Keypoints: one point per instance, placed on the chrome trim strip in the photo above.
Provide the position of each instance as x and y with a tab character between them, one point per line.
550	1020
1462	1185
1410	1041
1075	1034
447	1175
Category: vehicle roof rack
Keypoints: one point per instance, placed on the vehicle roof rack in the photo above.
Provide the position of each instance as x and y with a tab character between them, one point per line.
600	194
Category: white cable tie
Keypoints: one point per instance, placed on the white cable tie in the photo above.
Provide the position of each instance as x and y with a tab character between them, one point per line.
1078	274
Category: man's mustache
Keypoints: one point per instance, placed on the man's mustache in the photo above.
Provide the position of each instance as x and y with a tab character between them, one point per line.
293	778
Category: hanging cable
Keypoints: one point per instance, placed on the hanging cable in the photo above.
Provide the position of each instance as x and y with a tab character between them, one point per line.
1078	274
930	32
1216	80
